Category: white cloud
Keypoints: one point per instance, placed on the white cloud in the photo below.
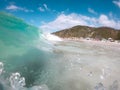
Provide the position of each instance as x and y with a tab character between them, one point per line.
44	8
92	11
117	3
105	21
66	21
41	9
16	8
12	7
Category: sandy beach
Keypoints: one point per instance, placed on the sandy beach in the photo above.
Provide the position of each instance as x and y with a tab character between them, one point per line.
97	42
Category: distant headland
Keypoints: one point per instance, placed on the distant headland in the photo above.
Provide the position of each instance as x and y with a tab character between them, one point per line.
100	33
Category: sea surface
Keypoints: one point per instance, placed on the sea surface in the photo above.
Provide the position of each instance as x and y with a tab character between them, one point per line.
32	60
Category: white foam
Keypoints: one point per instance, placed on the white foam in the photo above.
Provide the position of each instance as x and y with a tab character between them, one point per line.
1	67
52	37
17	81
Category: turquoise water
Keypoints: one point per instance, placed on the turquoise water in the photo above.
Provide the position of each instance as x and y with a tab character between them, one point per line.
21	50
15	35
29	61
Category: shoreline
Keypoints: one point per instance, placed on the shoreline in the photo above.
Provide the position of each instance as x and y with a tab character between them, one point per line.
93	41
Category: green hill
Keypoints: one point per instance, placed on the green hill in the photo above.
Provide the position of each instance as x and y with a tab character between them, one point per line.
91	32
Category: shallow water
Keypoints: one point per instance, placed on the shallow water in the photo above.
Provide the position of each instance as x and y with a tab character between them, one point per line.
88	66
71	66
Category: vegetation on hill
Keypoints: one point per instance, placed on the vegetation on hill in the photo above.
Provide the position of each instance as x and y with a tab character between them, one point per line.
91	32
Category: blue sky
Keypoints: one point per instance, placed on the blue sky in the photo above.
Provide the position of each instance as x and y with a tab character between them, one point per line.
53	15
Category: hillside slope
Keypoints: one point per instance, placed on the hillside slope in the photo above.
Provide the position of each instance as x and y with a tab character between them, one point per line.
92	32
